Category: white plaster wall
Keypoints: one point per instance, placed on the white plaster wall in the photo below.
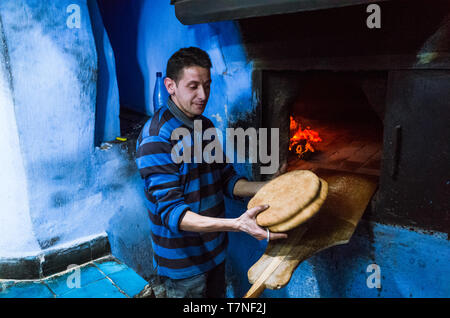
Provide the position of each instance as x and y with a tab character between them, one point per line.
16	232
53	71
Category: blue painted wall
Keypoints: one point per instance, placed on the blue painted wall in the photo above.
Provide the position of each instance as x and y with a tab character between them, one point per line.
121	21
59	98
148	33
107	125
15	221
53	86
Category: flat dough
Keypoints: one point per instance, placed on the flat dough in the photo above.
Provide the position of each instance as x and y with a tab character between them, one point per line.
304	215
286	195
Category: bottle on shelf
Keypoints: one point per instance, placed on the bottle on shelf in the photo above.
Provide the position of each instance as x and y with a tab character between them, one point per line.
160	94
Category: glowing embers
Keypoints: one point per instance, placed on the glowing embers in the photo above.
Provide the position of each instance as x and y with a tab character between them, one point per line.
302	140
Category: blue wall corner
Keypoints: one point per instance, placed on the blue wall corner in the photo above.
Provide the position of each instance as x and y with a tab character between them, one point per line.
63	96
107	125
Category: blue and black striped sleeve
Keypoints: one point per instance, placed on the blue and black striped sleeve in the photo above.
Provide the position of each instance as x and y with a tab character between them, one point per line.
228	174
229	179
162	181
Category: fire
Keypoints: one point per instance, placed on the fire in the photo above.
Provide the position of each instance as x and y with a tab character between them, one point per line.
302	139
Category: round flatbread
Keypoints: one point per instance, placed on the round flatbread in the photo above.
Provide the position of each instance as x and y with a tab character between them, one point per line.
286	195
304	215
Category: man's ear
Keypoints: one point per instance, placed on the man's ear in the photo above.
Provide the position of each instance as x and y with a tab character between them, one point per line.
170	85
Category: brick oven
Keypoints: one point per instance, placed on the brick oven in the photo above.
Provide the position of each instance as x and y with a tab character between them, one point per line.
378	99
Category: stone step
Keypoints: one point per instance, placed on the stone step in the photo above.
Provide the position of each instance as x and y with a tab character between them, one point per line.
106	277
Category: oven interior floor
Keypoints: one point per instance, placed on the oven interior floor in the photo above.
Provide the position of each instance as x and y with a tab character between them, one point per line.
352	147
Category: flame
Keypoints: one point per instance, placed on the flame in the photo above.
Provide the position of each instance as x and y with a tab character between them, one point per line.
302	139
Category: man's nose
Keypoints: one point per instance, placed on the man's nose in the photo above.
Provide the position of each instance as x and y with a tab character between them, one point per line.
201	93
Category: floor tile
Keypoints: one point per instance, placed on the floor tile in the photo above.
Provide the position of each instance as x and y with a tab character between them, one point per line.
92	283
99	289
110	266
5	284
130	282
64	283
28	289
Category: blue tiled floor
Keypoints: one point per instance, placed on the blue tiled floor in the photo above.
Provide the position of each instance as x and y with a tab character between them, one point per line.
128	281
59	284
102	278
100	289
108	266
26	290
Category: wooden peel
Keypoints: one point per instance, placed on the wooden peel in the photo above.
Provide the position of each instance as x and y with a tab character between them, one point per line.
276	259
348	196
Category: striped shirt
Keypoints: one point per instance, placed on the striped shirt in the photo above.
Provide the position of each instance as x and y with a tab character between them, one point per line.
172	188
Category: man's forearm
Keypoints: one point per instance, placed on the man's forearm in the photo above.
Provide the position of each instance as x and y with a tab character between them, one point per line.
244	188
245	223
198	223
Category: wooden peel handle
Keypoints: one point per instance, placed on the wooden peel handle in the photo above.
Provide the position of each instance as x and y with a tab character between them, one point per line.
285	250
256	290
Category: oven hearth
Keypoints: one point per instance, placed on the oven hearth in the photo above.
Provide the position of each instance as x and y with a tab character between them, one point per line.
338	128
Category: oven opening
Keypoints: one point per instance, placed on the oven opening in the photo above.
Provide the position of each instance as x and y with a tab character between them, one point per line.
332	125
326	119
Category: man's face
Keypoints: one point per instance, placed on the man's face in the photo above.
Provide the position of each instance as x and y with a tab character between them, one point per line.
192	91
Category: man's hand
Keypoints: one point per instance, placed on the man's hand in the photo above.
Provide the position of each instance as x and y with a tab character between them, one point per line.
247	223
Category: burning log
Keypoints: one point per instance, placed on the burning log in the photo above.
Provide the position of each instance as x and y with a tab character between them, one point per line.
302	140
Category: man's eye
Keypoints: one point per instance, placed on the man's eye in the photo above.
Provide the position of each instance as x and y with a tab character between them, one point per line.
193	87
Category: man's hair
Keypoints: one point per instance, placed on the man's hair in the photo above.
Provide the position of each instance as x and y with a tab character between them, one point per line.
186	57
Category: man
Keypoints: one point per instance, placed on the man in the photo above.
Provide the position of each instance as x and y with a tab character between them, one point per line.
185	200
